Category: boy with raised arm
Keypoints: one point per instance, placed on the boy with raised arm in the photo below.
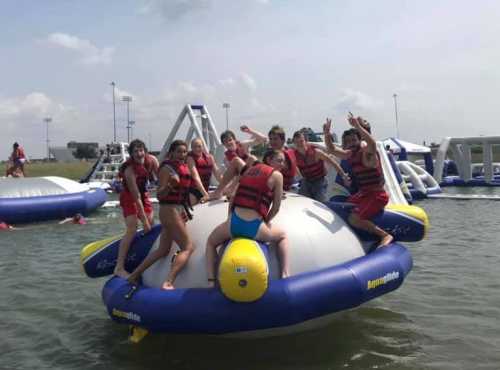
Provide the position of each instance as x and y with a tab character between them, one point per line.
371	197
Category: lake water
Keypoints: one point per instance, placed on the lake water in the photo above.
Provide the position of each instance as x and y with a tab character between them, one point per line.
445	316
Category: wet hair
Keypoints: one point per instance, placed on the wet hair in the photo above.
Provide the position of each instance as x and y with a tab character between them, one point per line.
277	130
136	144
16	145
227	135
350	132
270	154
296	134
175	144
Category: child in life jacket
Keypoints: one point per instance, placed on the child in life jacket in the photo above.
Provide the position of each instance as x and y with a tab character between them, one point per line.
277	139
371	197
175	179
256	202
202	166
310	161
134	198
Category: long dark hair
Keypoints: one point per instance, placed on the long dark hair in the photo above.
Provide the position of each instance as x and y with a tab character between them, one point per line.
175	144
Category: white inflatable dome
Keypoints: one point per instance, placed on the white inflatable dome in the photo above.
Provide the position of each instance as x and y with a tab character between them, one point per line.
318	238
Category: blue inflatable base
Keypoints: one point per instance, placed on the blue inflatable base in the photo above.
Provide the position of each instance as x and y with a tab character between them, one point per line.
287	302
50	207
476	181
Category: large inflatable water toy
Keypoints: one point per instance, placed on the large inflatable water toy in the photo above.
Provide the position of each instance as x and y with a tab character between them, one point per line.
462	172
418	173
104	172
331	267
32	199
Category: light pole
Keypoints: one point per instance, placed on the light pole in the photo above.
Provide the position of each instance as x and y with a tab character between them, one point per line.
114	113
226	106
131	127
128	99
395	96
47	120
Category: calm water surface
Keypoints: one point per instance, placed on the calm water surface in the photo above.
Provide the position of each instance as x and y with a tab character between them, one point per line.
445	316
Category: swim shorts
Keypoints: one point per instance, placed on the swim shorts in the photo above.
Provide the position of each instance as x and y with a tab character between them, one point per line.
129	207
368	203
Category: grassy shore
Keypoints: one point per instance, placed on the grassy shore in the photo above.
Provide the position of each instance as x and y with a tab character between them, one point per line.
72	170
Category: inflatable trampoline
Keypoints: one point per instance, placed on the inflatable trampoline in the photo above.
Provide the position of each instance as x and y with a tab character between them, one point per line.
332	269
32	199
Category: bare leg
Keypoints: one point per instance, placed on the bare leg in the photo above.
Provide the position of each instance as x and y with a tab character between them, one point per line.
131	224
177	228
218	236
385	237
276	234
162	251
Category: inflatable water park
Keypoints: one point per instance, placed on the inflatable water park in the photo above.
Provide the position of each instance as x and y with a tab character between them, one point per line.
33	199
333	266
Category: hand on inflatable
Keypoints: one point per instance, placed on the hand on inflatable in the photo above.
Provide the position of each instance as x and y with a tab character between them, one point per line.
214	195
146	226
347	181
205	198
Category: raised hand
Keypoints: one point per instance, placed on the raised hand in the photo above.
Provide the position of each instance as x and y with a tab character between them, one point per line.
327	126
352	120
244	128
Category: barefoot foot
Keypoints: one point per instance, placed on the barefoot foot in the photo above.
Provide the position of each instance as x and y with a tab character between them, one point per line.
168	285
386	240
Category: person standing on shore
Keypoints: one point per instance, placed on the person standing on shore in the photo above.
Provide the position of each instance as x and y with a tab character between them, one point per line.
17	160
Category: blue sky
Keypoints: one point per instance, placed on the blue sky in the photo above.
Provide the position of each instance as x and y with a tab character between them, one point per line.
289	62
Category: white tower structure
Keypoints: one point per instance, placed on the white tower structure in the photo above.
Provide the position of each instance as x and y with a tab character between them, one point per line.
200	126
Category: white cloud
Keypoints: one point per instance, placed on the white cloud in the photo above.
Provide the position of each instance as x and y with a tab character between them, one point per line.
356	101
248	81
90	54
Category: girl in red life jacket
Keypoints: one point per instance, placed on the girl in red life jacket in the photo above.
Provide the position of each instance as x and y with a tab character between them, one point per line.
255	204
202	165
173	194
134	198
311	164
277	139
371	197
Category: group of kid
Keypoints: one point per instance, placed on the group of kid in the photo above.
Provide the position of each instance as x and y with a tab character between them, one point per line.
255	190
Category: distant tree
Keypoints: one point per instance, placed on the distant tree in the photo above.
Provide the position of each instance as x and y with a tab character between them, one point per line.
85	152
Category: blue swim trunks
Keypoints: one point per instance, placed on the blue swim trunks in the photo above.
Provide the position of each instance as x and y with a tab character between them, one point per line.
243	228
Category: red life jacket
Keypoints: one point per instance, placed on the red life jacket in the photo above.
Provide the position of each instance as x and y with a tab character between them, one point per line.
253	191
239	152
143	172
290	171
311	169
178	195
205	166
367	178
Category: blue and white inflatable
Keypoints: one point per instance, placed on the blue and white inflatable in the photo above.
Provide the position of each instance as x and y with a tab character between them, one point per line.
332	269
32	199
